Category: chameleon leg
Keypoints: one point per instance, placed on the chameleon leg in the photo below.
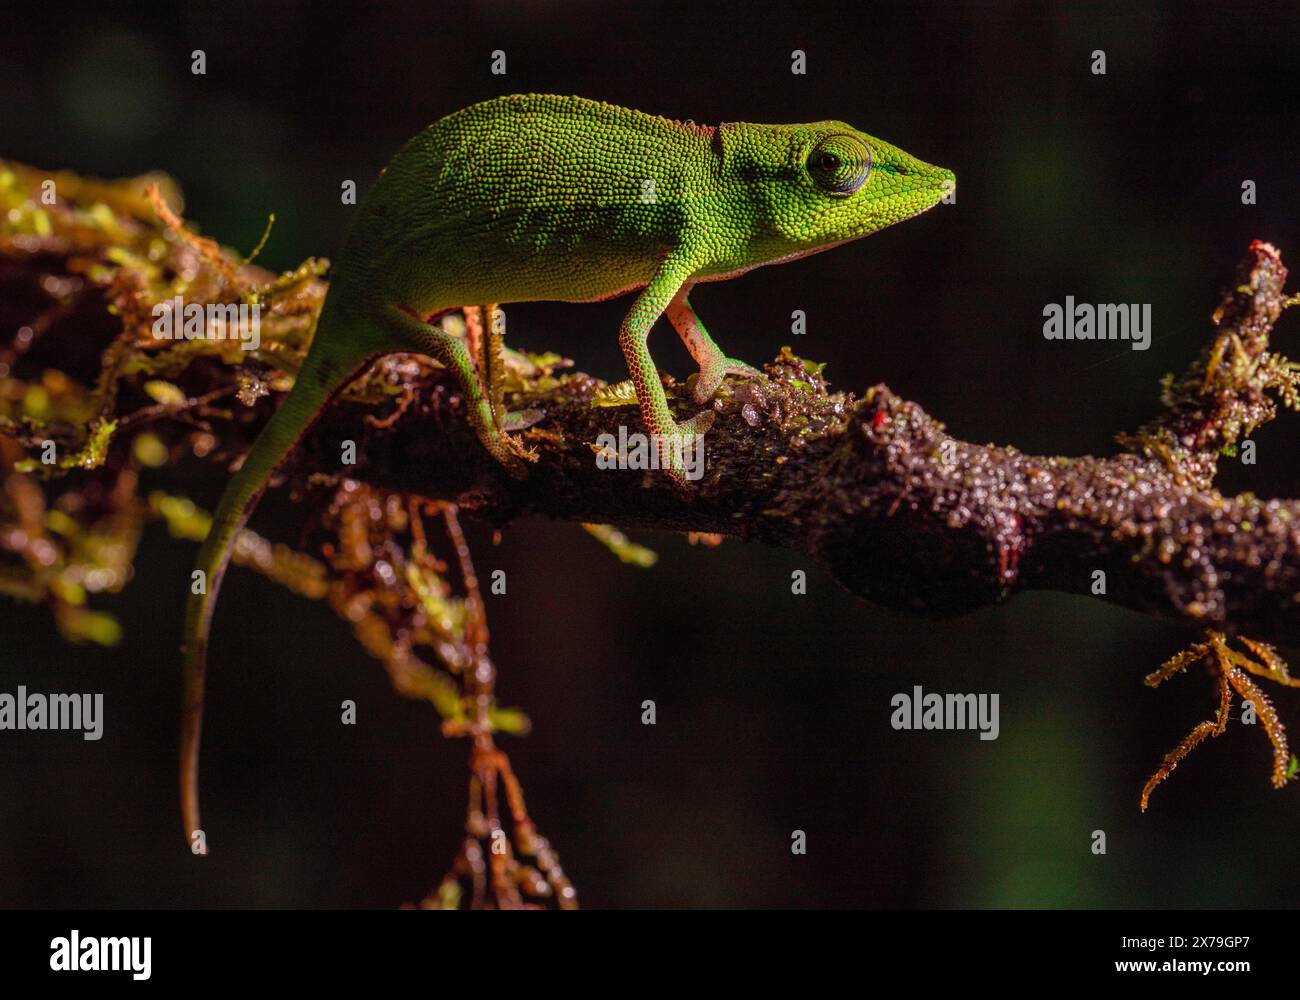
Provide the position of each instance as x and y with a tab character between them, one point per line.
451	351
671	436
714	364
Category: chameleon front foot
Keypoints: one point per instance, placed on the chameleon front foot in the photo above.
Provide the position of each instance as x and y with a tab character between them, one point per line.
714	365
709	380
681	447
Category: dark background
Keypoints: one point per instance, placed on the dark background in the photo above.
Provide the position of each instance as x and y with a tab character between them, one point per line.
773	709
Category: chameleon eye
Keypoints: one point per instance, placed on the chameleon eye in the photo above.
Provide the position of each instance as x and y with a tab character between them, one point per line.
840	164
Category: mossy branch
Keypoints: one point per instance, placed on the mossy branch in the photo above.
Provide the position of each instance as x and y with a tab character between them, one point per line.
901	512
871	485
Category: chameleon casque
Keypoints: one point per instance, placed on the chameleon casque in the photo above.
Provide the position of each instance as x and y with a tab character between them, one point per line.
538	197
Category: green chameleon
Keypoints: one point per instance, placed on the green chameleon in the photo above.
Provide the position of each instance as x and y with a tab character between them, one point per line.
537	197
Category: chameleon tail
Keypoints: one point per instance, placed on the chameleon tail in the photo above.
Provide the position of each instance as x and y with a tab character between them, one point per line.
323	375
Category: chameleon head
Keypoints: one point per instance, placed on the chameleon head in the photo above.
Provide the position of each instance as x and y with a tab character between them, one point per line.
813	186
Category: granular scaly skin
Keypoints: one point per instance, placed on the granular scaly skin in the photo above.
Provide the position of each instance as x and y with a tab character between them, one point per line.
540	197
560	198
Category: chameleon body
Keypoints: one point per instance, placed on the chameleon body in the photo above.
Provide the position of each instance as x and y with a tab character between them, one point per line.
536	197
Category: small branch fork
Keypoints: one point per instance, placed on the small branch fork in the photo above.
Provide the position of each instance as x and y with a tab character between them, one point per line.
1229	667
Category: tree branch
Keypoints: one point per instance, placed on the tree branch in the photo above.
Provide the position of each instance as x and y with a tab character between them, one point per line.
898	510
872	486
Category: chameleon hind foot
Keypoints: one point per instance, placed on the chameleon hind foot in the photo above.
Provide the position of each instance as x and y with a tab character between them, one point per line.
500	445
502	425
452	353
